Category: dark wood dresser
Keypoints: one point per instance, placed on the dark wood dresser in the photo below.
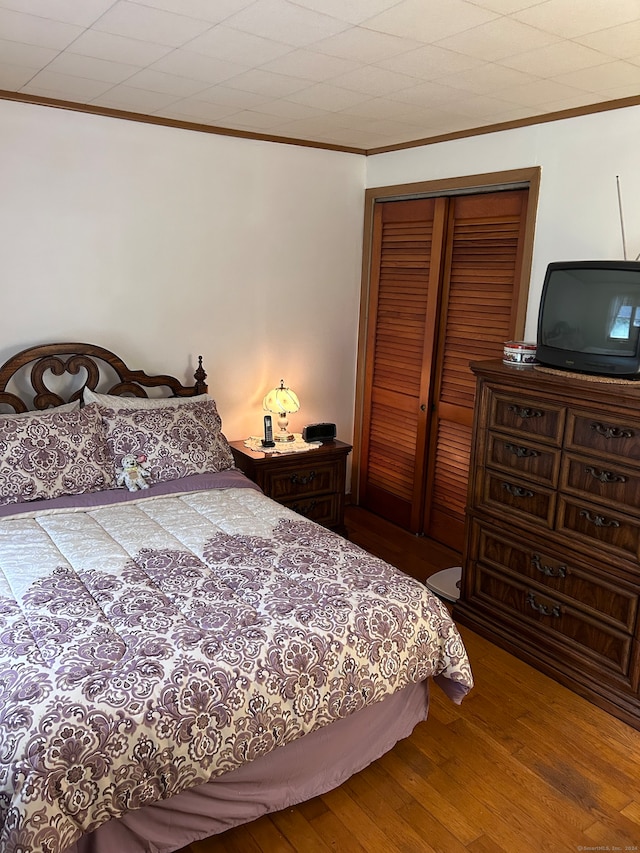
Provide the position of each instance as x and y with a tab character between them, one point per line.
311	483
552	549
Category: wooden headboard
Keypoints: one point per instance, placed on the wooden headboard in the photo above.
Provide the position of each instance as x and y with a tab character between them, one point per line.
27	379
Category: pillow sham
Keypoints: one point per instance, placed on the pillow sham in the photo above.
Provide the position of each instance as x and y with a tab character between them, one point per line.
64	407
53	454
175	441
114	401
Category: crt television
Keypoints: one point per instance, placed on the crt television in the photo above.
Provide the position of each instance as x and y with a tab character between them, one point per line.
589	319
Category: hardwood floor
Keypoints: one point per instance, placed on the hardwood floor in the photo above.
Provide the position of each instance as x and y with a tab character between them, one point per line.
522	766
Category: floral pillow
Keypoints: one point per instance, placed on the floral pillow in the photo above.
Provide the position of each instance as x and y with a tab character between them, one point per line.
52	454
174	441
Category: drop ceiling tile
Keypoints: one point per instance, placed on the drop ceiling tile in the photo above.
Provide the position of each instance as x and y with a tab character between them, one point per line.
568	19
353	11
232	45
430	63
283	21
191	109
185	63
555	59
325	96
49	84
381	108
169	84
428	95
263	122
622	41
612	75
81	12
541	92
505	7
488	78
118	48
14	77
146	24
26	55
309	65
497	39
127	98
266	83
29	29
478	106
362	45
290	110
231	98
90	67
204	10
372	80
415	19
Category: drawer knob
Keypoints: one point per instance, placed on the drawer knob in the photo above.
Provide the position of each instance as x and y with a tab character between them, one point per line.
599	520
611	432
605	476
302	481
520	451
542	608
517	491
523	412
549	571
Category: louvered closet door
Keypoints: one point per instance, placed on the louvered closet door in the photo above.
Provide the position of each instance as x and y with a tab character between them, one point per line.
403	296
482	265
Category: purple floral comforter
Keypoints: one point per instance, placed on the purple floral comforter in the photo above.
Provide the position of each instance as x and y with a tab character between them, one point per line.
148	646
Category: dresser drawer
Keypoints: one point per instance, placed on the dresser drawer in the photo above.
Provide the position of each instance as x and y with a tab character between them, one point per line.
519	415
325	509
569	579
611	484
506	494
603	435
592	526
304	479
609	647
513	454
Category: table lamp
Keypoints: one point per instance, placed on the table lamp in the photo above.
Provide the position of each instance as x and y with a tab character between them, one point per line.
282	402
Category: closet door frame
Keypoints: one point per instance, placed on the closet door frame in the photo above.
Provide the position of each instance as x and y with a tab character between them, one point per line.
469	184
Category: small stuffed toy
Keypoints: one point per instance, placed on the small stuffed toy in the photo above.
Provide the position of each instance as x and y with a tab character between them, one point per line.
134	471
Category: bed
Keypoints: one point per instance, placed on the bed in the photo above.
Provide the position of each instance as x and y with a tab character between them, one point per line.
179	654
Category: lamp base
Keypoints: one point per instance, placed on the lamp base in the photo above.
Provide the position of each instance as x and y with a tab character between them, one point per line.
284	437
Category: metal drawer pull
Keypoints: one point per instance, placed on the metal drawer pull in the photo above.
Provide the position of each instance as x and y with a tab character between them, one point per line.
611	432
605	476
302	481
599	520
542	608
525	413
549	571
517	491
522	452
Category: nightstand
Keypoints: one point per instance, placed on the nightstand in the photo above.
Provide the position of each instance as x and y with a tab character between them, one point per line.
311	483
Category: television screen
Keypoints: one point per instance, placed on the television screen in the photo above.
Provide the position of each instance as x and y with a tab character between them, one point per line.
590	316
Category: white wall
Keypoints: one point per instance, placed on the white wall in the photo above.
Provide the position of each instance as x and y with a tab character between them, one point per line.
162	244
578	216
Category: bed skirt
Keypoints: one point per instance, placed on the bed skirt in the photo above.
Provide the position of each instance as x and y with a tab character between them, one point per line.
303	769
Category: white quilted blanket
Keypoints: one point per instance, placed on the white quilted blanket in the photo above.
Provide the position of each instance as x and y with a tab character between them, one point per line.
147	647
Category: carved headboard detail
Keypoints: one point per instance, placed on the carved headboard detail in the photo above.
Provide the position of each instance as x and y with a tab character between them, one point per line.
26	378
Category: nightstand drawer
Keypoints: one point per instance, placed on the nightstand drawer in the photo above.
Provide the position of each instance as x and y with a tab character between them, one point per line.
325	509
305	479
